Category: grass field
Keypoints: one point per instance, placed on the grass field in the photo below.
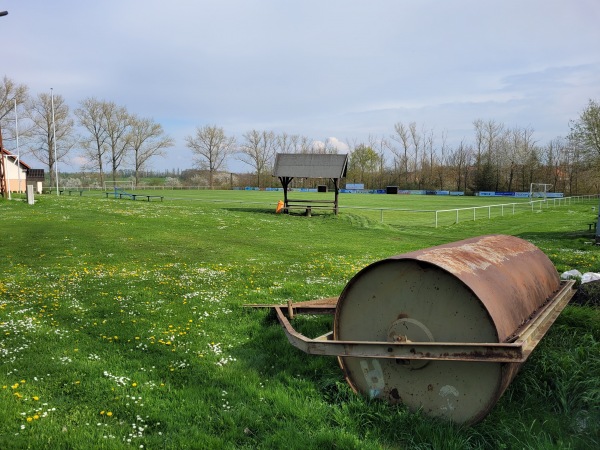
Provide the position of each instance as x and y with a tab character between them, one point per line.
396	210
122	326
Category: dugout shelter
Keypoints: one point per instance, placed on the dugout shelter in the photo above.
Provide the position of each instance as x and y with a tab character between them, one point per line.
310	165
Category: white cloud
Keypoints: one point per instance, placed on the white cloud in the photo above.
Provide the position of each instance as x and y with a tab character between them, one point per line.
331	142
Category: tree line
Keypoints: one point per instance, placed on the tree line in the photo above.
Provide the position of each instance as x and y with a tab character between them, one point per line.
110	140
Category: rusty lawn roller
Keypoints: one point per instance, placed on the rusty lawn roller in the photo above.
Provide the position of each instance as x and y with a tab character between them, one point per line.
444	329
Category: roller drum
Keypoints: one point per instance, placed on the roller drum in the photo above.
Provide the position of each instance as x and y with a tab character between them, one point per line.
479	290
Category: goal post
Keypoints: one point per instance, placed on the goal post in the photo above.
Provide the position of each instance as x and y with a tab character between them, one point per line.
118	185
539	190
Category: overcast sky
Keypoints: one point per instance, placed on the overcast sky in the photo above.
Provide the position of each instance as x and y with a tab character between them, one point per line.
341	69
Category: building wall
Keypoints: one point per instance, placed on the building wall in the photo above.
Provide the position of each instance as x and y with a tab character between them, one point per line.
13	172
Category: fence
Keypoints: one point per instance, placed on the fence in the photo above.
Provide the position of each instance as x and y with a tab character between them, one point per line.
50	189
490	211
443	217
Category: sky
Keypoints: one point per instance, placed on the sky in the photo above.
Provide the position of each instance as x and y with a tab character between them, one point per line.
337	70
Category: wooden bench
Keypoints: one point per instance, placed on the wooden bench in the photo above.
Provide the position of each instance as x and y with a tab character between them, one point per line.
590	225
308	205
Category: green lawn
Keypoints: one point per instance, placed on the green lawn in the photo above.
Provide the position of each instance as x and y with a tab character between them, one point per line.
122	325
394	210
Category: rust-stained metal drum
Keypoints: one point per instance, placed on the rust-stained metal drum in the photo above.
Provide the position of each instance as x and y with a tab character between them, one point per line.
477	290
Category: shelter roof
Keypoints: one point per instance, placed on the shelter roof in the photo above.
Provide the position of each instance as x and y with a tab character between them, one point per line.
310	165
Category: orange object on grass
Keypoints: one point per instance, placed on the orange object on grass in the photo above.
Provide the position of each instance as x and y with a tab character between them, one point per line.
279	207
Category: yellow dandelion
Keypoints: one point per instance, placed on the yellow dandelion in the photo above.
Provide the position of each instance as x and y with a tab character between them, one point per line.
109	414
134	384
36	417
36	398
29	419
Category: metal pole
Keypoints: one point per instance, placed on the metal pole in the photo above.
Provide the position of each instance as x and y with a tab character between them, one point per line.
17	143
7	180
54	138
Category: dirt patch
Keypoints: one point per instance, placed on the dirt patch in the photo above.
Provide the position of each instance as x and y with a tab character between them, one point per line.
588	294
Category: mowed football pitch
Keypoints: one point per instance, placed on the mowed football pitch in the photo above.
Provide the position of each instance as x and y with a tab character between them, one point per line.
389	209
122	323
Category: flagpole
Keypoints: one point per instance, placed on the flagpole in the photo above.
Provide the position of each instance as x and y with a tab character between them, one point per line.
54	138
18	152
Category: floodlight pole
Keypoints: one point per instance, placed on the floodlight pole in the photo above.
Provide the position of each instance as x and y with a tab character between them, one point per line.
54	138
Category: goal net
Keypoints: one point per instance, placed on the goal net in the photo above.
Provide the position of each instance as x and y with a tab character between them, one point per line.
118	185
539	190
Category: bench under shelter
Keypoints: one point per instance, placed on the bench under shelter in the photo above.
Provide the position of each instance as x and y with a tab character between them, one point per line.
310	165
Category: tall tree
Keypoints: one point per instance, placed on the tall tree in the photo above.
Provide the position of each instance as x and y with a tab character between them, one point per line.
302	144
585	131
554	162
487	146
42	144
527	155
416	144
574	163
443	161
379	145
460	159
11	92
90	115
284	143
429	160
402	136
211	147
327	147
363	163
117	123
293	143
258	150
146	139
